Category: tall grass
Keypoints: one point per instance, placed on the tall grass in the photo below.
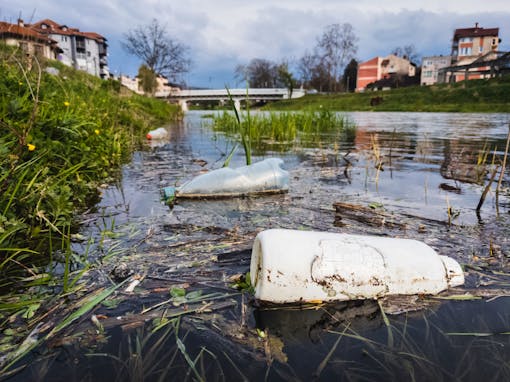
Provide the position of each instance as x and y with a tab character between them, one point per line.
284	130
61	136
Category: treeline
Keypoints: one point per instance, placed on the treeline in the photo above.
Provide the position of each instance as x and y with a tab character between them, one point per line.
330	66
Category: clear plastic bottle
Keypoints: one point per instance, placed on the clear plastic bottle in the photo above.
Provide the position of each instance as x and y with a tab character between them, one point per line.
159	133
262	177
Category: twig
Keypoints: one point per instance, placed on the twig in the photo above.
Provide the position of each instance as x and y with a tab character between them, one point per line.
487	188
502	173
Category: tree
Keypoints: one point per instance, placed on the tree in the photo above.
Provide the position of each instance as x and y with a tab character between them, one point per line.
157	50
148	79
259	73
306	67
286	78
350	76
408	52
336	47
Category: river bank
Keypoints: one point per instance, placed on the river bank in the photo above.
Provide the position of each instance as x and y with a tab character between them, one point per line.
64	136
487	96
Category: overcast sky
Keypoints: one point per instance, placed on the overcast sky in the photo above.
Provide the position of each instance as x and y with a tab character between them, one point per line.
224	33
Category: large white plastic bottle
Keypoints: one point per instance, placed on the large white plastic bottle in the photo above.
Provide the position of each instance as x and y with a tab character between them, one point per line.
293	266
262	177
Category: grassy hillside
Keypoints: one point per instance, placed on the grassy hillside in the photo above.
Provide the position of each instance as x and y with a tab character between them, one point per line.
62	133
472	96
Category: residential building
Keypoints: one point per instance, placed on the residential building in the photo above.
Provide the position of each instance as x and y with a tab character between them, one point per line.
430	68
163	88
470	43
473	53
27	39
381	68
85	51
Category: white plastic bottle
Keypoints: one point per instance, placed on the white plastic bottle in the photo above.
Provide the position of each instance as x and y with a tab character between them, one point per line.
293	266
159	133
262	177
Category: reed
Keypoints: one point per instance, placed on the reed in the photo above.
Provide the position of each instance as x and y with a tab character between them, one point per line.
285	130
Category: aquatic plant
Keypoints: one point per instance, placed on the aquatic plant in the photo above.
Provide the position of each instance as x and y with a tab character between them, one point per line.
284	130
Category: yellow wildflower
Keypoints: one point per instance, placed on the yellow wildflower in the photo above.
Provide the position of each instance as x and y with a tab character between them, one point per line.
31	147
96	131
66	103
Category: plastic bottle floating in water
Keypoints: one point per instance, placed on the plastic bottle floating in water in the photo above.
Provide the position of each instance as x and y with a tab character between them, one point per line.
159	133
259	178
300	266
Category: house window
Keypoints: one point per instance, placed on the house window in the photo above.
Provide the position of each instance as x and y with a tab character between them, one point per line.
465	51
428	73
480	49
466	39
38	50
88	53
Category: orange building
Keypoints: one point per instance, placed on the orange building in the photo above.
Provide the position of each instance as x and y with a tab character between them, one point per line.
382	67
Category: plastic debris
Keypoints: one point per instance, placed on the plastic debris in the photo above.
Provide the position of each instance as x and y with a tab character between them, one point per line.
300	266
159	133
262	177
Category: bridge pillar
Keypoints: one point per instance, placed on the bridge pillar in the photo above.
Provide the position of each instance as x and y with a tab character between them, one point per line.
184	105
237	104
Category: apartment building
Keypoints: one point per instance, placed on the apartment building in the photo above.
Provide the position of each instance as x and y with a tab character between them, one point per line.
470	43
27	39
85	51
383	67
430	69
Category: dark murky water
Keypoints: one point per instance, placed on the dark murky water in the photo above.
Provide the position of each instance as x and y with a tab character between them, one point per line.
425	171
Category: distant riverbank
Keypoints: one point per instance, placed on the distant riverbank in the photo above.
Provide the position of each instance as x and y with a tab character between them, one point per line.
488	96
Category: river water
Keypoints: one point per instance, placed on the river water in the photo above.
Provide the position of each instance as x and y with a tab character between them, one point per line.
424	171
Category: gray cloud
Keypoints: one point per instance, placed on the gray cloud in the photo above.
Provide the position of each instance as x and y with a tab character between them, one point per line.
224	33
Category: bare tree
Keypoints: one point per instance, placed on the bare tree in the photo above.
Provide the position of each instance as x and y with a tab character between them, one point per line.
161	53
336	47
306	67
259	73
241	74
407	51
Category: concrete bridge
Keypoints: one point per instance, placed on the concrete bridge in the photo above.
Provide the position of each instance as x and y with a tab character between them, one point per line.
221	95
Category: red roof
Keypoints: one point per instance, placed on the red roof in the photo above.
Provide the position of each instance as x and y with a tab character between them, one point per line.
23	32
54	28
475	32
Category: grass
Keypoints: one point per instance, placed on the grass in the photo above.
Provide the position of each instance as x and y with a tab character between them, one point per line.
63	134
491	95
282	131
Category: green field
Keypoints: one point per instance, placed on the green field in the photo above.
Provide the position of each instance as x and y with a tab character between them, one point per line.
468	96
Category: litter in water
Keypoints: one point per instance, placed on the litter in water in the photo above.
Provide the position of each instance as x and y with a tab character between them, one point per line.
262	177
300	266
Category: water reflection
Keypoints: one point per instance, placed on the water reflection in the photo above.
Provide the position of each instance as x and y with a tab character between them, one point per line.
407	166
